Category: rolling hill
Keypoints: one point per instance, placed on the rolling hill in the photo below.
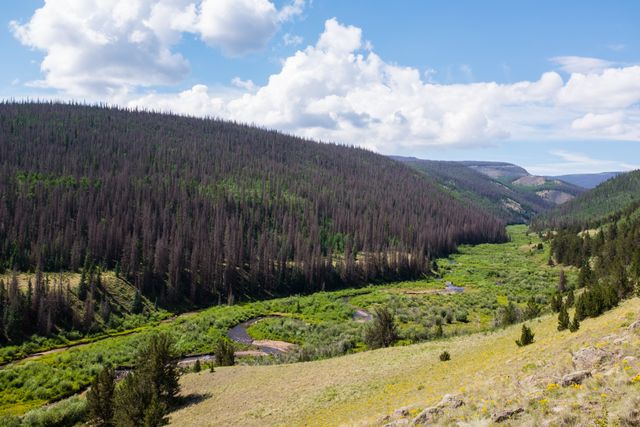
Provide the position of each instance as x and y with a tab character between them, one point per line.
587	180
596	205
211	211
508	191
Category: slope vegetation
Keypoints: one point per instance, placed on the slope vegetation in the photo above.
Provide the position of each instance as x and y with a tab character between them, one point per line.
488	372
505	190
609	198
211	211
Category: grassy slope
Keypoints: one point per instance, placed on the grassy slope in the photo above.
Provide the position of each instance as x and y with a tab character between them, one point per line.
488	369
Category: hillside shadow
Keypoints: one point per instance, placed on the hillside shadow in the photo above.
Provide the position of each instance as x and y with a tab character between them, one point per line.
190	399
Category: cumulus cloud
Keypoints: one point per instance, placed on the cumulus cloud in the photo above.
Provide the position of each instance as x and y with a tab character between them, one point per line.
341	90
338	89
111	47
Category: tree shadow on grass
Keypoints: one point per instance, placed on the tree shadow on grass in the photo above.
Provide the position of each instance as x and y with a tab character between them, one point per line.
190	399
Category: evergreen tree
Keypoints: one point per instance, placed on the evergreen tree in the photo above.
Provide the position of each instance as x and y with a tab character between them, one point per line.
563	318
556	302
570	298
157	363
575	324
148	392
137	307
526	337
585	276
100	398
83	287
562	282
533	309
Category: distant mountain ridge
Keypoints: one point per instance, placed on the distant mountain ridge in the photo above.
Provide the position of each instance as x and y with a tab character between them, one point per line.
504	189
588	180
607	199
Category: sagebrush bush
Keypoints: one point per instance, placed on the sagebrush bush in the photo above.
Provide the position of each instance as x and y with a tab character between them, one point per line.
382	330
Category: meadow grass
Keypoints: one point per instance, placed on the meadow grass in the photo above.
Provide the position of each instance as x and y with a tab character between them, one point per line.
488	370
321	324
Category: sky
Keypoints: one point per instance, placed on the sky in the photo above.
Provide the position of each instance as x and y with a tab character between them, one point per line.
553	86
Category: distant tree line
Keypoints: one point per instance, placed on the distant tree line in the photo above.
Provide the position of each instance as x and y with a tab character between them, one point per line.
206	211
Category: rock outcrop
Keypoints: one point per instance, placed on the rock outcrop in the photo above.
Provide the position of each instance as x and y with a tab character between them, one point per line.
575	378
427	416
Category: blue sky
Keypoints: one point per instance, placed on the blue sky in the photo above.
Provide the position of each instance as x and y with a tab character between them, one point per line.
550	85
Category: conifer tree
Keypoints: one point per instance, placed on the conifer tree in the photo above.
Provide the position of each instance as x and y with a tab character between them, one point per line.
570	298
563	318
575	324
526	337
148	392
562	282
100	398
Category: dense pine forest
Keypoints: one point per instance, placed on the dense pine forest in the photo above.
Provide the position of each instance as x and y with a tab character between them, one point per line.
209	211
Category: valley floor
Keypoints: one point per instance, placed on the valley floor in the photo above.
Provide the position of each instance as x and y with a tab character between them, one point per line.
487	371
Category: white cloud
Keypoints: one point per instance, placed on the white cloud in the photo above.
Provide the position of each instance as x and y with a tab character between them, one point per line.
581	64
247	85
572	162
336	90
292	40
111	47
339	90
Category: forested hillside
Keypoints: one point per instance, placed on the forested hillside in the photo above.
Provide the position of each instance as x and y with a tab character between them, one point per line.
595	205
210	211
493	186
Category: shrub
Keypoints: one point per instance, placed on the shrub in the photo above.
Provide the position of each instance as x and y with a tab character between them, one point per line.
382	330
526	336
445	356
69	412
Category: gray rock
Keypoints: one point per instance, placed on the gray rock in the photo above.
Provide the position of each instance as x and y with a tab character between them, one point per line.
427	416
575	378
590	357
507	414
449	401
402	412
635	326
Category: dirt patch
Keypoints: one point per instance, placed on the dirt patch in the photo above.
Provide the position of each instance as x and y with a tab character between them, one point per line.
281	346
